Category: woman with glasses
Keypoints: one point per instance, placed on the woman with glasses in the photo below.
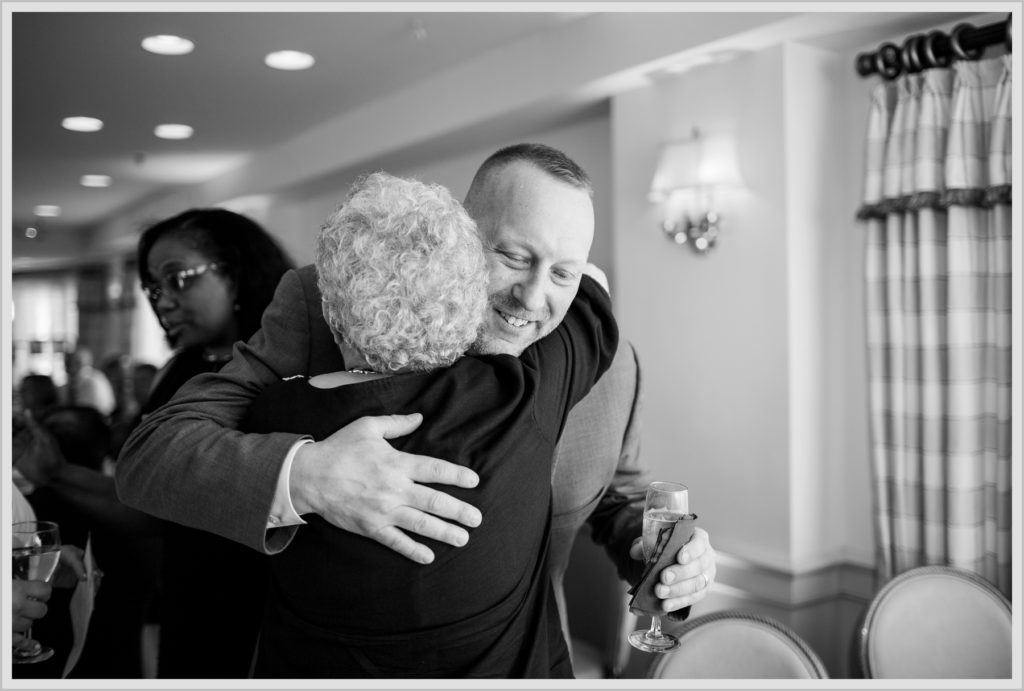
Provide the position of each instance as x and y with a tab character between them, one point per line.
208	274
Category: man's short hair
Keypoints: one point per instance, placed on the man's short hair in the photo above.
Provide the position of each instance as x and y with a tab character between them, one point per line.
547	158
401	269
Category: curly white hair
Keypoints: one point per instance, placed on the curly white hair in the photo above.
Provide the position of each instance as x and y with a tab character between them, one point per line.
401	269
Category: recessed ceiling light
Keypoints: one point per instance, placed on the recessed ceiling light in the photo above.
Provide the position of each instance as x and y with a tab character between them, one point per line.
47	210
166	44
82	123
173	131
95	181
289	60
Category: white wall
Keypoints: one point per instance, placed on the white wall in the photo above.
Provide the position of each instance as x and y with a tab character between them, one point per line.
710	330
745	348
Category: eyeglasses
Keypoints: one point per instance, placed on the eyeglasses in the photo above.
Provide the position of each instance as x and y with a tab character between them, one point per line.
176	282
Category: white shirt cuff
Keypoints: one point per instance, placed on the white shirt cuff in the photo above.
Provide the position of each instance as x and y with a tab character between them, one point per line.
282	512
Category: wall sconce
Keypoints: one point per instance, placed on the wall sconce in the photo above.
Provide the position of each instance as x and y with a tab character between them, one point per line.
691	173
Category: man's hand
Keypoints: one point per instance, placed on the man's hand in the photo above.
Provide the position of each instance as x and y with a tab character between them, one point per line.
358	482
689	581
36	453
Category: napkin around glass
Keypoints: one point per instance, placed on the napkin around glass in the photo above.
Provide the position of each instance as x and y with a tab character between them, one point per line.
82	601
670	540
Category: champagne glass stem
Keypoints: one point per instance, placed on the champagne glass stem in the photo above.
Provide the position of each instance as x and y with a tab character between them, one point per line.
655	631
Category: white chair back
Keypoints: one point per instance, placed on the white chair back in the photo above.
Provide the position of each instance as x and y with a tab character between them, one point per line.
738	645
937	622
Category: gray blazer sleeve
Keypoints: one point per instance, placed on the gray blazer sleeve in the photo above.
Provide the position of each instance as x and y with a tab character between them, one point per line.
187	463
618	518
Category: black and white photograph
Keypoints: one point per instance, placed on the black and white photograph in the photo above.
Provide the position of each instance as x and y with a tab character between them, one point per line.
511	345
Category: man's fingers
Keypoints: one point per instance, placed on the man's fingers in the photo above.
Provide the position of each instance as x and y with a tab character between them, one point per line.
439	472
36	590
29	612
393	538
391	426
443	505
425	525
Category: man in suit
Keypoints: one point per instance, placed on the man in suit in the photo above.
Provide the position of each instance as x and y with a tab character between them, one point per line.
187	463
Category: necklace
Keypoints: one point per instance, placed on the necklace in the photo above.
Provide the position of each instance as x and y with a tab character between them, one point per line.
361	371
215	357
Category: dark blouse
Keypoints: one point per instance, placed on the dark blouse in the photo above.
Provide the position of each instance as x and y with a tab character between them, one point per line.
342	605
213	589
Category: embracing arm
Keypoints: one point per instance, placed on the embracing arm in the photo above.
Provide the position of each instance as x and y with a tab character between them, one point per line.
188	463
618	518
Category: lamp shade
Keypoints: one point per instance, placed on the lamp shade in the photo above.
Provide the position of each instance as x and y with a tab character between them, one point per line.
694	163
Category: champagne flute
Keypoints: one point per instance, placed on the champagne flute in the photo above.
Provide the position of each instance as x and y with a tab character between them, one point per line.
666	503
36	551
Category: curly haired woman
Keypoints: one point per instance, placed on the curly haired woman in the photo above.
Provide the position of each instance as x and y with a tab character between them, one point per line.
404	281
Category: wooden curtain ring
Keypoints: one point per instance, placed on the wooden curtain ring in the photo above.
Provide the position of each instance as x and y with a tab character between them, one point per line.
958	50
936	49
887	60
909	55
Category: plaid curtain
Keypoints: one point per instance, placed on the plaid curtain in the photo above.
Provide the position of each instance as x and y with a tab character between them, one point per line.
936	207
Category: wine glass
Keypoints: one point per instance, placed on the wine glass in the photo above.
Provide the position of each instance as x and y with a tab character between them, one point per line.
666	503
36	551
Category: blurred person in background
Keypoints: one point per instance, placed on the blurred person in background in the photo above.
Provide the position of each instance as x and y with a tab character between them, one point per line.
131	381
124	417
42	606
28	598
36	393
143	374
87	385
209	274
72	489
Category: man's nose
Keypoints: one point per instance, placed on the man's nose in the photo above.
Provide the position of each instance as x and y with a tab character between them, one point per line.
530	293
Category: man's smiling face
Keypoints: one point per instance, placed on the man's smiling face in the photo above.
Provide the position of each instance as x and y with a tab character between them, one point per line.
537	231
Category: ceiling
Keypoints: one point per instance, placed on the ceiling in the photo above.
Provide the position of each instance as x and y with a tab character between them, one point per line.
91	63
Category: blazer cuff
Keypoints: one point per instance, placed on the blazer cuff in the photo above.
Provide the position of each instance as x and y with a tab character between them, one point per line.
282	511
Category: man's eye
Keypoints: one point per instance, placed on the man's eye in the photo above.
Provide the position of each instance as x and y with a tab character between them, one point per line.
565	277
515	259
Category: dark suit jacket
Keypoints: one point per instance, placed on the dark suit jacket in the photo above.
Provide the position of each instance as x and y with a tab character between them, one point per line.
183	460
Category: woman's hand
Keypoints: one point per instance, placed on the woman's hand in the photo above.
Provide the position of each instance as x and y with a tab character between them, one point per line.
70	568
28	603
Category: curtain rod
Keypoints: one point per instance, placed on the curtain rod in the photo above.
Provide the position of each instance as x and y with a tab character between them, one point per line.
934	49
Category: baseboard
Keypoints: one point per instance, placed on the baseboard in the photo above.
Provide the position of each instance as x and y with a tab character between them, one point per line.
771	586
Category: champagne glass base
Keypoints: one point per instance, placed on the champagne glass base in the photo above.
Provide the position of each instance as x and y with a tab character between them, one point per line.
44	654
642	639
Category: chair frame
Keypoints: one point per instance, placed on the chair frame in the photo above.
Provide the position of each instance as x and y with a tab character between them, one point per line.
812	659
896	581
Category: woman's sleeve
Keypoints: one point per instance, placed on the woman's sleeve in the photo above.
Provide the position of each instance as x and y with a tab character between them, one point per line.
571	359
